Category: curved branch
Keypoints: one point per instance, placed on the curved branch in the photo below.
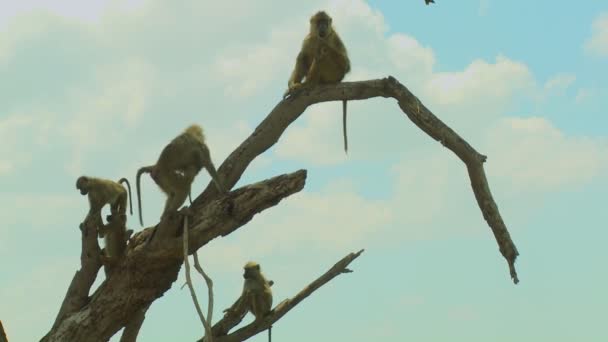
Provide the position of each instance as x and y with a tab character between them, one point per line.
199	311
287	111
221	328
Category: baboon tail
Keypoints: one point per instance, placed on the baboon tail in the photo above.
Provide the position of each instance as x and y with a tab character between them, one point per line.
344	126
145	169
216	178
126	181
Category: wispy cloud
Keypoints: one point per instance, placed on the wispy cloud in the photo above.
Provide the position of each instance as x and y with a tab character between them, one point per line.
597	44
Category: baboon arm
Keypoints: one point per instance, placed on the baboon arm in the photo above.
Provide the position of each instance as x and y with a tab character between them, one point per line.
302	66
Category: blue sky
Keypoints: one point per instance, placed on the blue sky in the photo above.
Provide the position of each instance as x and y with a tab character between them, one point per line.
100	88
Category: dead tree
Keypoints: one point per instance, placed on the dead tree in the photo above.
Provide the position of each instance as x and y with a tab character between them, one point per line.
149	268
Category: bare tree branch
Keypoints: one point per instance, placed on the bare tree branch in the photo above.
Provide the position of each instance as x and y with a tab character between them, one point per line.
77	295
209	282
199	311
287	111
131	330
219	329
148	271
3	337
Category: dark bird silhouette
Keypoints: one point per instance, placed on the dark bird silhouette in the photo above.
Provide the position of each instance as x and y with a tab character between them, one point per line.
429	1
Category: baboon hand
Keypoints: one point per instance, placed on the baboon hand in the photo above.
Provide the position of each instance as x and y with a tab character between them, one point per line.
292	90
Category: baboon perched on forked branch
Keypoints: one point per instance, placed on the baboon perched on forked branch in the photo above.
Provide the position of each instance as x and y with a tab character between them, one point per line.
256	296
116	236
323	59
101	192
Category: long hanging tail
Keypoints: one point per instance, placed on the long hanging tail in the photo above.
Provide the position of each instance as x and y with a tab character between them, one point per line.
145	169
215	177
124	180
344	126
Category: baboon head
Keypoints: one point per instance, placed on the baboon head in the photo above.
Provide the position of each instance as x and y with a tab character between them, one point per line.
252	270
82	184
320	24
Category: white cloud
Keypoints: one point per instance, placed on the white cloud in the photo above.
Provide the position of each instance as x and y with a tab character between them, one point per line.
409	56
119	96
326	222
584	94
533	155
597	44
482	86
321	128
15	140
484	6
90	11
559	83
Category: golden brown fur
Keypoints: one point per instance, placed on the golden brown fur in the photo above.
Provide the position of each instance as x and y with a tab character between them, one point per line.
256	296
101	192
323	59
179	162
116	236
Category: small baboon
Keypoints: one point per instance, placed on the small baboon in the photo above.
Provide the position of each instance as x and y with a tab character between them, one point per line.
256	296
116	236
179	162
101	192
323	59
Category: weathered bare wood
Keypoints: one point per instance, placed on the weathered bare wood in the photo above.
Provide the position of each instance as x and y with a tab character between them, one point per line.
268	132
148	271
199	311
131	330
77	294
3	337
230	320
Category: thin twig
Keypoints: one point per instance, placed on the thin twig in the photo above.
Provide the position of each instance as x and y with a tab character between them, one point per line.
197	266
189	280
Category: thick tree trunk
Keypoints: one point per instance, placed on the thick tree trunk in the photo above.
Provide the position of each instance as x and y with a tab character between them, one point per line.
149	269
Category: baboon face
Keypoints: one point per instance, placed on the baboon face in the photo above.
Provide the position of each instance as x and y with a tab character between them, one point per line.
321	24
81	184
251	271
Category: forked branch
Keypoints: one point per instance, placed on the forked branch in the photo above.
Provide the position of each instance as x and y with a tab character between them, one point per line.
146	272
287	111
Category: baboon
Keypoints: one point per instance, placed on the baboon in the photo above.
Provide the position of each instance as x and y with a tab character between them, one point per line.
116	236
256	296
179	162
101	192
323	59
